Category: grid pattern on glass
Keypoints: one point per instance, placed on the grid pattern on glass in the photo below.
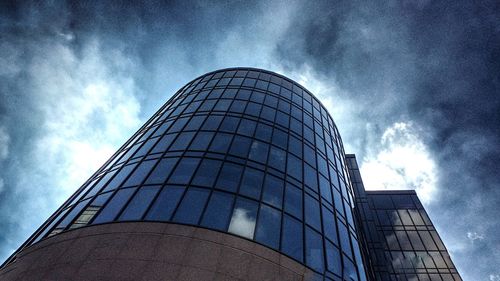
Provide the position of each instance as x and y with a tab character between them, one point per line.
401	240
247	146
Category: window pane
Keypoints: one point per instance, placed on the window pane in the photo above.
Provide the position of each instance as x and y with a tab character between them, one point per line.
329	225
201	141
312	212
221	143
161	171
273	191
263	132
258	151
268	229
243	218
325	189
183	172
314	250
163	143
207	173
218	211
136	208
334	263
247	127
165	204
344	239
118	179
293	201
294	167
182	141
277	158
114	206
229	177
240	146
291	243
140	173
251	184
191	206
310	177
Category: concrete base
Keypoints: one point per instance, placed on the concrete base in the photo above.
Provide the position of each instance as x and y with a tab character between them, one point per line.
151	251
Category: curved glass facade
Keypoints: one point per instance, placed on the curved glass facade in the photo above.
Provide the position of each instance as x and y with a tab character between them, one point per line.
243	151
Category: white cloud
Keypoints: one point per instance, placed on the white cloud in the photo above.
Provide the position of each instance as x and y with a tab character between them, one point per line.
401	161
88	112
494	277
242	224
4	143
473	236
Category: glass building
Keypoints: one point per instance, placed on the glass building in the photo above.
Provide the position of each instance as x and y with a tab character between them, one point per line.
243	153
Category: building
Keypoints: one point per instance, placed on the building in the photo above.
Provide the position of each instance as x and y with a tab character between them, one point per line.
241	175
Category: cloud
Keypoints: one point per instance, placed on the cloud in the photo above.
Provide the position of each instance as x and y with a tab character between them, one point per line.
4	143
401	161
242	223
473	236
494	277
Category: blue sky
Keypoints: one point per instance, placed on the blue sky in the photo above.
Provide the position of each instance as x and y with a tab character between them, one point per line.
412	85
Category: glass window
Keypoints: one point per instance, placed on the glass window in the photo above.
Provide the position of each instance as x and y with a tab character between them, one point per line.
294	167
114	206
165	203
314	250
247	127
212	123
229	124
120	177
263	132
97	187
218	211
162	128
344	239
268	113
257	97
145	147
329	225
251	184
258	151
428	242
277	158
240	146
207	105
268	227
184	170
178	125
273	191
282	119
207	173
253	109
280	138
334	263
140	173
163	143
182	141
295	146
293	201
349	270
221	143
229	177
291	242
415	241
310	177
222	105
324	187
201	141
161	171
312	215
238	106
243	218
139	204
74	212
309	155
191	206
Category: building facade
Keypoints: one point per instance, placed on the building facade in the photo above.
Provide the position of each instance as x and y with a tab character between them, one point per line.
241	175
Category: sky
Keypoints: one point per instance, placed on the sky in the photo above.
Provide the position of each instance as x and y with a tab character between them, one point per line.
412	85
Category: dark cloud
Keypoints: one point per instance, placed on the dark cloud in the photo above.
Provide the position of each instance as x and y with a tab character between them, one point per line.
433	64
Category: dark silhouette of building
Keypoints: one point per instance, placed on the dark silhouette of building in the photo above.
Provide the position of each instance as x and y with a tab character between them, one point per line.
241	175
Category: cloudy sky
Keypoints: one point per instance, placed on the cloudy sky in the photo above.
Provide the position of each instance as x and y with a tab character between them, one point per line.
412	85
